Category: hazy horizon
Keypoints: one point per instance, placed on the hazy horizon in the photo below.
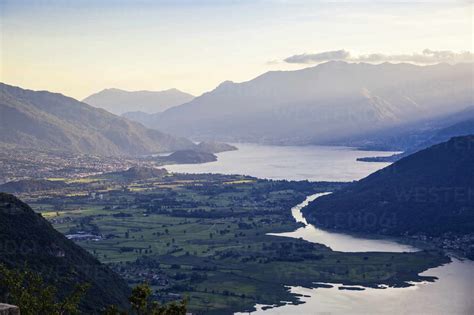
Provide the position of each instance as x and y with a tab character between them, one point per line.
138	90
88	46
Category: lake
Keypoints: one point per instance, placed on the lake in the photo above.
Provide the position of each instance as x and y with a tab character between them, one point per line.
450	294
314	163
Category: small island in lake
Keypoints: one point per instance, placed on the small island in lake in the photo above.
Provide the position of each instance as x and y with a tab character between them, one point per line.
215	147
188	157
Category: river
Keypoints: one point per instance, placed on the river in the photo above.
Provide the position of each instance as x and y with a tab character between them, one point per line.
339	241
450	294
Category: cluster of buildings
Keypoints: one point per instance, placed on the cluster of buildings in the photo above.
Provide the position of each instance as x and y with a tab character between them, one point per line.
17	164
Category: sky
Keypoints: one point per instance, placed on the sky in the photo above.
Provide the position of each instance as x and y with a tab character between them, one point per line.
81	47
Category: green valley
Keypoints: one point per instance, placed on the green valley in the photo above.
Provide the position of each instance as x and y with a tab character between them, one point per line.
205	237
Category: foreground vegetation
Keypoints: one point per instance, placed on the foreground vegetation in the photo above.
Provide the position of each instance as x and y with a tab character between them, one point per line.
29	291
205	237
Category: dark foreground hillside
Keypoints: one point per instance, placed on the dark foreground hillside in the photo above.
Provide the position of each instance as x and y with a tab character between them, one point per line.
428	193
27	238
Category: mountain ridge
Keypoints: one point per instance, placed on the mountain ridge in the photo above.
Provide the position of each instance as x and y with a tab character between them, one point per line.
413	138
320	104
32	119
118	101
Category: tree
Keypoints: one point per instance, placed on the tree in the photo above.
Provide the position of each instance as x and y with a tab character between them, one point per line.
113	310
27	290
140	304
139	298
173	308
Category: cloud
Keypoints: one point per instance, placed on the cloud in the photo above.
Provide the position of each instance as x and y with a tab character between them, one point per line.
273	62
427	56
319	57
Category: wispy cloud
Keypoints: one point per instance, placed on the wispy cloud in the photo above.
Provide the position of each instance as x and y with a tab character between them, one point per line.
427	56
319	57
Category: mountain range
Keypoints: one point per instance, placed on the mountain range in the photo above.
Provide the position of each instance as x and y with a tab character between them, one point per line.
429	192
51	121
411	138
323	104
119	101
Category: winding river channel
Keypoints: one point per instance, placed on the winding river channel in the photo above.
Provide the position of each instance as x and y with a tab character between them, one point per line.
338	241
452	293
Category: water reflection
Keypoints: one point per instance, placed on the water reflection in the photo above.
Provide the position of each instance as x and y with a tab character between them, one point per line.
451	294
314	163
338	241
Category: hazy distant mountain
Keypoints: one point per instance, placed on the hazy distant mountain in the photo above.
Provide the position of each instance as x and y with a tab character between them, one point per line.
119	101
44	120
322	103
141	117
409	134
411	138
429	192
463	128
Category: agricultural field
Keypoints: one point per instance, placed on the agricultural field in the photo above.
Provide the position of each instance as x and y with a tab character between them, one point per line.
204	237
